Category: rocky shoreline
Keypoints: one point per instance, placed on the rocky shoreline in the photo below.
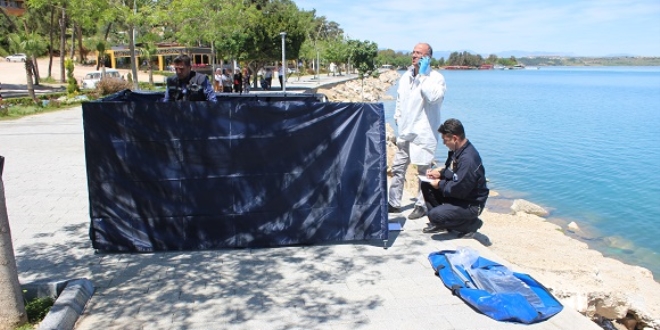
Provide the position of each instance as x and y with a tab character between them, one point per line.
599	287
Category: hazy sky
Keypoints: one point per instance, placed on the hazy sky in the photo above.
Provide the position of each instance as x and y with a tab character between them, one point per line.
576	27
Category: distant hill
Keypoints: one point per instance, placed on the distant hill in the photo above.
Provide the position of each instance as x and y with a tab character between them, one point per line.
551	58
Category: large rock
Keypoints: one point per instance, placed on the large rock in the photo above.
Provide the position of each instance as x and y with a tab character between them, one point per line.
523	206
369	90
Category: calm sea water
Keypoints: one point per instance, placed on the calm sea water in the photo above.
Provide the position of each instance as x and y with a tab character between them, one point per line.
582	142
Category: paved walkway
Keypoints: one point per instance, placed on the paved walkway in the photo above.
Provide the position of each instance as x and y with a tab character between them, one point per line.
333	286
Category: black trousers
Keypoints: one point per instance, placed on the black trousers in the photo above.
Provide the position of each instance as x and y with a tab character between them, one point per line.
450	213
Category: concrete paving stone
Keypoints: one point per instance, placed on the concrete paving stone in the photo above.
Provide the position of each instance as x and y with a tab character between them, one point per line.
305	297
159	291
333	313
384	325
281	252
210	291
155	271
195	274
193	326
196	285
122	286
209	310
93	322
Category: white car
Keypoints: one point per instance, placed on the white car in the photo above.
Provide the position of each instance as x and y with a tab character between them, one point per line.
91	79
16	58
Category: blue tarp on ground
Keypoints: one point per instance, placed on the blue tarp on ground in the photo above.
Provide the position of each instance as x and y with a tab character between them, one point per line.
237	173
493	289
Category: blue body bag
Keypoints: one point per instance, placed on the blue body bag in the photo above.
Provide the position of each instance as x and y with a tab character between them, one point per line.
494	290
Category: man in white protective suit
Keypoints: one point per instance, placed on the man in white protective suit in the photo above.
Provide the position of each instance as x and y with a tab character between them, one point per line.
417	116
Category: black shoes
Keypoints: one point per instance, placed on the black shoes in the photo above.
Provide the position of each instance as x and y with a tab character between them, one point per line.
471	230
392	209
417	213
432	228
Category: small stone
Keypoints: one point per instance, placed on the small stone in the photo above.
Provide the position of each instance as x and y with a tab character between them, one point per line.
521	205
573	227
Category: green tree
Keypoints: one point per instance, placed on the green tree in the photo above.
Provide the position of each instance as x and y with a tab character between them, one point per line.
148	51
264	42
29	44
362	55
337	51
492	59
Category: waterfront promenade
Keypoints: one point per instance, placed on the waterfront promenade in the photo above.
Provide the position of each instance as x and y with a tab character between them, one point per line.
333	286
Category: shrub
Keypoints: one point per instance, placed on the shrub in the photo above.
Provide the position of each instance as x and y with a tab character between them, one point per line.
37	309
111	85
72	83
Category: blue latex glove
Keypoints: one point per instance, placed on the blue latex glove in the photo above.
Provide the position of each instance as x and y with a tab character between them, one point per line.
425	65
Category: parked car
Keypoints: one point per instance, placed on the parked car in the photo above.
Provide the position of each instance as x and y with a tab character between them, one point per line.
16	58
91	79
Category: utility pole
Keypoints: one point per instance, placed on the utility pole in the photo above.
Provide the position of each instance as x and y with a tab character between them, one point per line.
285	67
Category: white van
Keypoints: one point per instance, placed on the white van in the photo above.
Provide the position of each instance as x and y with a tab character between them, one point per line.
91	79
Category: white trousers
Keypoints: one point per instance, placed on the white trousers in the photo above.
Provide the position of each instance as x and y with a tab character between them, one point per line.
399	167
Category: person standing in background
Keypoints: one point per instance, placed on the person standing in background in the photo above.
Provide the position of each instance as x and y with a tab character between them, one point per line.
269	78
217	80
186	84
246	80
417	115
280	73
238	81
226	81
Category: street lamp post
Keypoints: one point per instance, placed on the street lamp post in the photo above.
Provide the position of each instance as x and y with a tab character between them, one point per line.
284	67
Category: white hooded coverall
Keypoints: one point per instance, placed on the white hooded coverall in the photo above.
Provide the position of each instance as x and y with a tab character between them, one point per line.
417	115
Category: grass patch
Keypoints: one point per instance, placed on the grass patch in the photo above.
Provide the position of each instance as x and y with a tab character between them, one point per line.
36	310
48	80
24	106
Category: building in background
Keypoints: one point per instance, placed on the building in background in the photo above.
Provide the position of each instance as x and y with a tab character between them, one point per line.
13	7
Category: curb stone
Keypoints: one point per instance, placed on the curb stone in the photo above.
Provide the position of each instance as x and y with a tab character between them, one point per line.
71	297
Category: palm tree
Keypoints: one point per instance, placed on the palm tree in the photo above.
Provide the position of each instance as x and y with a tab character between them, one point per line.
31	45
148	51
100	60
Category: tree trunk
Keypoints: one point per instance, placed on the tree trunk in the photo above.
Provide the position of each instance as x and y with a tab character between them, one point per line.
133	58
28	74
12	307
35	70
83	56
73	40
62	45
51	33
34	73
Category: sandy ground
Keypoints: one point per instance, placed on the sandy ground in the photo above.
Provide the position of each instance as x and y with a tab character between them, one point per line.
12	74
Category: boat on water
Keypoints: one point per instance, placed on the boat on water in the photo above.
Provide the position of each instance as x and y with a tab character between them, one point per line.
516	67
459	67
499	67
